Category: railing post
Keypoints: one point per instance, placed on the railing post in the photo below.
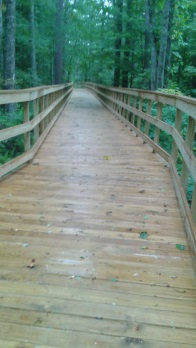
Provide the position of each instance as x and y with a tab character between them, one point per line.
193	204
158	116
41	128
189	141
140	108
148	111
134	106
35	113
178	122
27	142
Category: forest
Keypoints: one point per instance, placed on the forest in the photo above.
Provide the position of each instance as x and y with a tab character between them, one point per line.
147	44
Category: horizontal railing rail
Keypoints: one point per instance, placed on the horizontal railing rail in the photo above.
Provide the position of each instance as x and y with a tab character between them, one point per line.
45	104
134	107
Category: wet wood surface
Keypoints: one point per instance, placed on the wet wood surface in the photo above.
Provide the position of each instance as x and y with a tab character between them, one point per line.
88	235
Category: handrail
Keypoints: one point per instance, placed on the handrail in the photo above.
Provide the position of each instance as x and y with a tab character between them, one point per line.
48	102
128	106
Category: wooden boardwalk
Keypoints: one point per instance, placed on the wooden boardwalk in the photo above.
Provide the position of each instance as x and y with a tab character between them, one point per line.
97	214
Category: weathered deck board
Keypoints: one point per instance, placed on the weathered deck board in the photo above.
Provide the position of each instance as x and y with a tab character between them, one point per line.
78	210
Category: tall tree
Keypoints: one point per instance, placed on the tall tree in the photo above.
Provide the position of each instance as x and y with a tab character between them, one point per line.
169	42
163	43
118	7
33	63
150	23
58	42
126	62
1	43
9	44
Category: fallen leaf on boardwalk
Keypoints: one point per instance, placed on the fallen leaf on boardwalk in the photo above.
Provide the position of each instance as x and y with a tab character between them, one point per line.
144	247
25	245
75	277
146	217
135	274
108	212
141	191
144	235
114	280
106	158
99	318
180	247
32	264
83	257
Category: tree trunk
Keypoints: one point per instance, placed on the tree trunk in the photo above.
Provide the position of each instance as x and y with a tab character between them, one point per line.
33	65
168	52
150	8
58	42
118	41
147	45
9	45
163	44
9	52
1	47
126	62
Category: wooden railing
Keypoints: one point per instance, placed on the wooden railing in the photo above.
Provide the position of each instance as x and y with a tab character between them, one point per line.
41	107
134	108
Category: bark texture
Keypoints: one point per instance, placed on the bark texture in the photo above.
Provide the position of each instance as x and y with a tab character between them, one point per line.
9	44
118	42
126	57
33	65
58	42
1	47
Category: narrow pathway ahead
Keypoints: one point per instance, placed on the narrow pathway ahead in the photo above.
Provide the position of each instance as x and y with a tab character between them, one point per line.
97	214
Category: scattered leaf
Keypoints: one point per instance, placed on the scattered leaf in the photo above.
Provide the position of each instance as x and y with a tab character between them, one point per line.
25	245
180	247
106	158
135	274
99	318
114	280
108	212
77	277
83	257
146	217
144	235
32	264
141	191
144	247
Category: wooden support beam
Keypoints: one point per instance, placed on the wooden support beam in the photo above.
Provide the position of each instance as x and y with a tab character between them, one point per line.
158	117
27	142
189	141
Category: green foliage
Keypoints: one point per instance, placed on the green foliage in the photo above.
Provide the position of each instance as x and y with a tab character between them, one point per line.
13	147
